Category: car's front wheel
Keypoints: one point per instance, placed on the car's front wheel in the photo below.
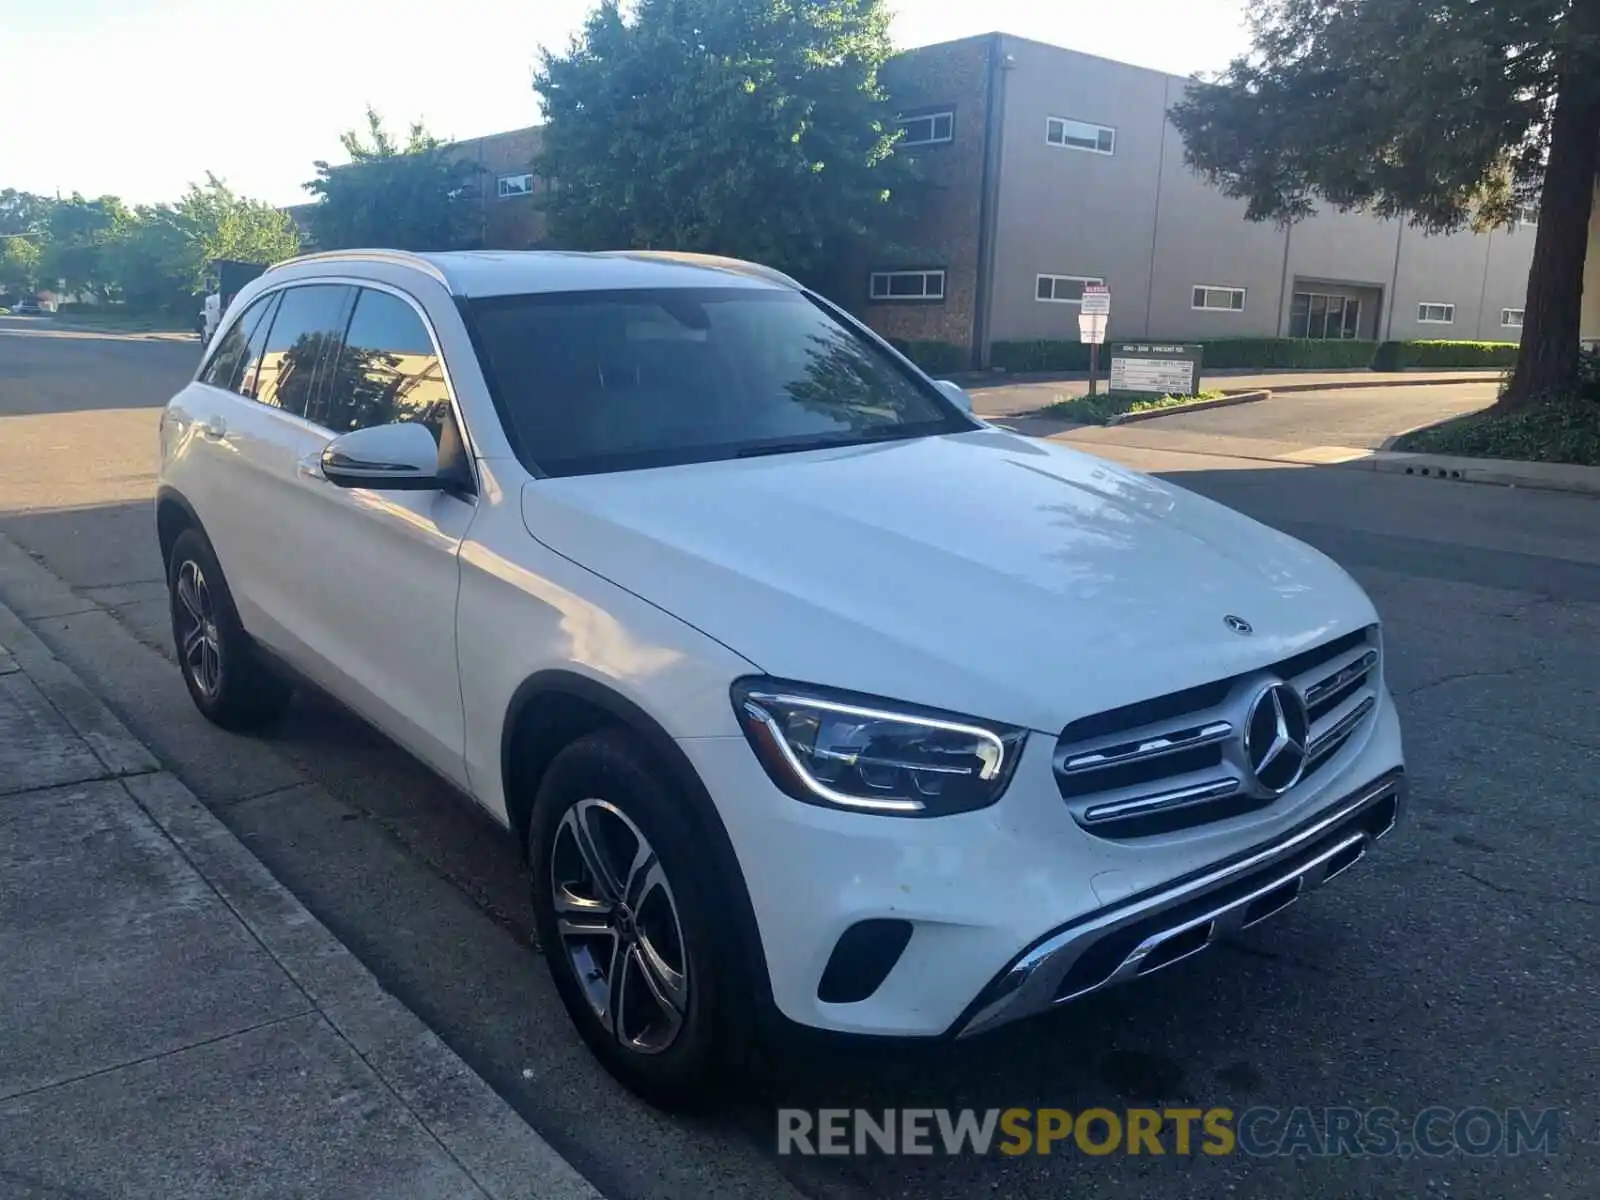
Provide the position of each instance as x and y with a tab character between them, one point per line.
226	678
629	921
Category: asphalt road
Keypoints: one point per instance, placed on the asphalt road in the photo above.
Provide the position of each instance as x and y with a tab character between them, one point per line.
1459	966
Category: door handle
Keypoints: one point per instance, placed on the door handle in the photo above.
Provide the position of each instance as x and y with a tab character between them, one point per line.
214	428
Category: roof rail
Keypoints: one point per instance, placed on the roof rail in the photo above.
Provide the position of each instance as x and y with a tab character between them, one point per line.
735	266
403	258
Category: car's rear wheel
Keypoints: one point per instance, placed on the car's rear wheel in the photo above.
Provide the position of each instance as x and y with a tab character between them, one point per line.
227	680
630	922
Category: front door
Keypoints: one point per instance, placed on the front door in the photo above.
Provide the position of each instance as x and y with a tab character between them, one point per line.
379	578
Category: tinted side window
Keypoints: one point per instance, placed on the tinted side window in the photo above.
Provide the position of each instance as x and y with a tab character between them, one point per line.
231	365
308	323
387	372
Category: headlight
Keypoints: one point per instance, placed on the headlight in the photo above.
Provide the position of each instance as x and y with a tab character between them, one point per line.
856	752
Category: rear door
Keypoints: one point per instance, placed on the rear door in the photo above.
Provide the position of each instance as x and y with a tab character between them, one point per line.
374	573
264	437
205	466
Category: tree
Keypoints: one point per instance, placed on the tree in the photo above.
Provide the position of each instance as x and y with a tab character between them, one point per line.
217	224
416	196
145	263
1447	112
161	254
752	128
24	212
19	264
76	232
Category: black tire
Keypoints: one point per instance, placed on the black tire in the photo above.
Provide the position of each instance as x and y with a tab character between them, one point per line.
227	680
686	1067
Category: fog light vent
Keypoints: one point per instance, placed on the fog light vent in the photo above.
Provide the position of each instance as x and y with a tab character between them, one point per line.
862	960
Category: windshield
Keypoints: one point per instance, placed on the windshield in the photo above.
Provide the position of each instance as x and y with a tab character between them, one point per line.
614	380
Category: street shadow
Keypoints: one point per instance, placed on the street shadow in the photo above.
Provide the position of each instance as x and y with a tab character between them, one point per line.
57	371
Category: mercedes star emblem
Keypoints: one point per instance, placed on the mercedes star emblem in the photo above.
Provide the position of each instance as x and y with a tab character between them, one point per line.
1238	624
1276	735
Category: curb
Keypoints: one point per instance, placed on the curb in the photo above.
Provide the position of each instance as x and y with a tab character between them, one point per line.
1151	414
1504	472
501	1152
1382	383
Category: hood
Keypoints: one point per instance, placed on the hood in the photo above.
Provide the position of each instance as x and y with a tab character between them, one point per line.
984	573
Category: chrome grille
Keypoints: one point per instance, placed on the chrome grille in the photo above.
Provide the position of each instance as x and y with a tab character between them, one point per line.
1181	760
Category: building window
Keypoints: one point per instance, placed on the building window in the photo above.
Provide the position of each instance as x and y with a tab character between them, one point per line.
1324	317
1511	318
1064	289
907	285
1432	313
1218	299
1080	135
515	185
1528	214
928	129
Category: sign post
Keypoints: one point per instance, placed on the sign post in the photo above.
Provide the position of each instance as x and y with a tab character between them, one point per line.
1094	314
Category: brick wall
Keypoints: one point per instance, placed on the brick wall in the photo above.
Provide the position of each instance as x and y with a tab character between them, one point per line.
509	223
946	208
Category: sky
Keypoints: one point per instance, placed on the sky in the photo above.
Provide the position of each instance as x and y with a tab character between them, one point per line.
139	97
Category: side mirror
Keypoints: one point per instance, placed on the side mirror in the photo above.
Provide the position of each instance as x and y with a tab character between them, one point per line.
401	457
955	393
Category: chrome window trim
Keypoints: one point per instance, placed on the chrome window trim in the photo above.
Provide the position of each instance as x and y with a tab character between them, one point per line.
468	444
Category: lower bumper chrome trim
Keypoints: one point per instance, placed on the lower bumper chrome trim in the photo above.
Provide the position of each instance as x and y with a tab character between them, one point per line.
1147	933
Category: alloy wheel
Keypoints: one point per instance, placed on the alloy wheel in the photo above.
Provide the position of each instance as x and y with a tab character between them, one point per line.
199	643
619	926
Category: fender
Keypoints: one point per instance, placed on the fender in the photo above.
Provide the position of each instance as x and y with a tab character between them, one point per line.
556	682
169	498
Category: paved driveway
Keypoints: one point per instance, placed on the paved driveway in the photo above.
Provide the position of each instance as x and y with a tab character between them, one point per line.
1458	966
1353	416
1361	417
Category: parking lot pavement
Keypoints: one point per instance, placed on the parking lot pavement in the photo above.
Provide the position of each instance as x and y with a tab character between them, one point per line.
993	399
1363	417
1457	966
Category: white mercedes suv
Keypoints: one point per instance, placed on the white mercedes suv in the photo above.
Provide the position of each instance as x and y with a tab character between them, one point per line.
812	698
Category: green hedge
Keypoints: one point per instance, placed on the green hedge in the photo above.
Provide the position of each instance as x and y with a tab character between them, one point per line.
1222	354
1287	354
1269	354
936	358
1396	356
1026	357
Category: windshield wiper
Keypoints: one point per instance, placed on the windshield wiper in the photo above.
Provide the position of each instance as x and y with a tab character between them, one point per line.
891	434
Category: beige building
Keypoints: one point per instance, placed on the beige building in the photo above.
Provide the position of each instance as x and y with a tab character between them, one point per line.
1046	169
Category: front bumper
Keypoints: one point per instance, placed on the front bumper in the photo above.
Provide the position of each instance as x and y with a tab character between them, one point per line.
1154	931
1006	903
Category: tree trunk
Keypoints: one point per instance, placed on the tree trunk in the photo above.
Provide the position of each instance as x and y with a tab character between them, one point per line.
1547	363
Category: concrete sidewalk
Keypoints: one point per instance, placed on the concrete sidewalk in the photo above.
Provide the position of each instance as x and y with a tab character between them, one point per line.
1002	396
174	1024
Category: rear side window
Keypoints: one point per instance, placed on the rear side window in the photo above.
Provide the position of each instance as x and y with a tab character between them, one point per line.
232	367
387	372
307	325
